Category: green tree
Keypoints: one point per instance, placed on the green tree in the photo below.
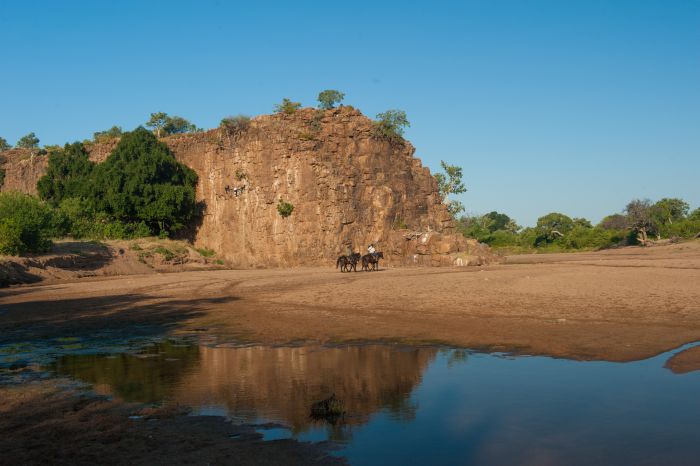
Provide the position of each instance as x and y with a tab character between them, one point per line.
141	181
449	183
111	133
287	107
500	222
330	98
4	145
390	125
669	210
29	141
553	226
695	215
582	222
68	175
158	121
178	125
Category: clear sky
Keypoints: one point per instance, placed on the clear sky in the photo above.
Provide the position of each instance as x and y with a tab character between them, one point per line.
574	106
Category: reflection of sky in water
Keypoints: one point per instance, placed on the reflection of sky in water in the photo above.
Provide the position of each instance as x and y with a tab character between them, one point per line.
422	406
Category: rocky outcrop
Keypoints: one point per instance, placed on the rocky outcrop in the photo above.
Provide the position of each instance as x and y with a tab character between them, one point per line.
347	187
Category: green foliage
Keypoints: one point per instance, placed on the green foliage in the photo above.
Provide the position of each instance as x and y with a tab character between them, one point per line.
142	182
26	224
204	252
4	145
29	141
400	224
287	107
390	125
553	225
68	174
285	209
613	222
330	98
104	136
240	175
450	182
304	136
2	177
164	125
235	124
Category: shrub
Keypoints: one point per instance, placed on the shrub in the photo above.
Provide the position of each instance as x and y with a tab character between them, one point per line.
390	125
27	224
204	252
287	107
330	98
235	124
285	209
240	175
4	145
68	174
2	177
29	141
104	136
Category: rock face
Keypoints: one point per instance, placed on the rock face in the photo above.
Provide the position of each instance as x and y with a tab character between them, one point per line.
348	189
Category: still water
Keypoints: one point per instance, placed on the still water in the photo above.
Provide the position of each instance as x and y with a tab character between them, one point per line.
424	406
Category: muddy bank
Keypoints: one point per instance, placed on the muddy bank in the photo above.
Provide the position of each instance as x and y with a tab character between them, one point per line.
44	423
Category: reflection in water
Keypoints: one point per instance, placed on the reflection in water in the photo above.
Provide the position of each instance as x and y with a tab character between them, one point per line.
424	405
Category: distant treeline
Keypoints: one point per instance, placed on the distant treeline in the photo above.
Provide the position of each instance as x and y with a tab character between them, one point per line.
640	221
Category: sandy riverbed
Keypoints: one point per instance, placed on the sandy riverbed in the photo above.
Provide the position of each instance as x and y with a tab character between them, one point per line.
614	305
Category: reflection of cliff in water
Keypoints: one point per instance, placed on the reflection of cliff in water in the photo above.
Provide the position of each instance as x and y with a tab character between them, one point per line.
253	383
149	377
283	383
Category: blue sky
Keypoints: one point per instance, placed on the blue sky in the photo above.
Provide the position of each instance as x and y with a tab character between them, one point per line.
574	106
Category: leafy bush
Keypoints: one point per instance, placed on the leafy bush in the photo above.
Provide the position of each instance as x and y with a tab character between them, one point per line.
163	124
27	224
2	177
390	125
235	124
68	174
4	145
287	107
204	252
29	141
330	98
285	209
104	136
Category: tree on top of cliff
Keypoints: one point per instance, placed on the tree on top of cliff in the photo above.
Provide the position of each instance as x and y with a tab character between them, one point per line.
450	182
390	125
164	125
104	136
142	181
235	124
4	145
30	141
67	174
330	98
287	106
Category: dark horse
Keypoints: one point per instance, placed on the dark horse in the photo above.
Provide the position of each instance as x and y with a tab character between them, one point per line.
348	263
371	260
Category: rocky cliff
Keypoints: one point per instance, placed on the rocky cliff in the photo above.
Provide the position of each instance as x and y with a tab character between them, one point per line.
348	189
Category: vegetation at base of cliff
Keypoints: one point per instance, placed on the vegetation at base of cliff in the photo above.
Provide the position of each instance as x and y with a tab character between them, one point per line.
26	224
139	190
390	125
642	219
285	209
287	107
2	177
329	98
